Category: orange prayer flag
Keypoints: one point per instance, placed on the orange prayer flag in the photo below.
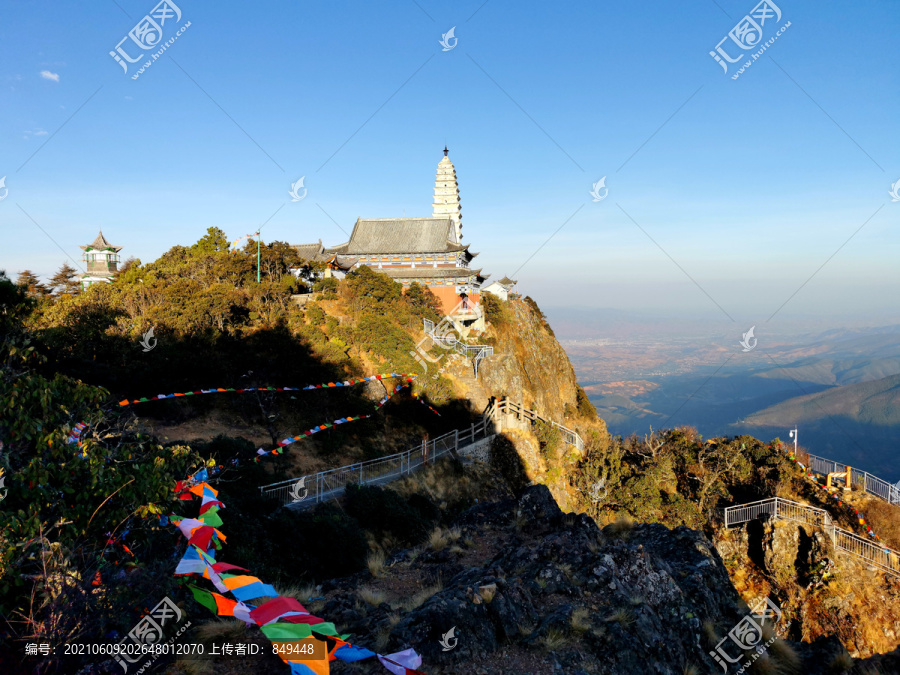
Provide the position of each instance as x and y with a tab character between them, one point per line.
241	580
198	489
225	606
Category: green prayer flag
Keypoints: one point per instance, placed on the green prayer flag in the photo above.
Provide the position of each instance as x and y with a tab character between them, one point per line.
211	517
286	631
324	628
205	598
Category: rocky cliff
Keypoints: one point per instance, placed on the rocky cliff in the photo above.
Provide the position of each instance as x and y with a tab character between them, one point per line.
530	589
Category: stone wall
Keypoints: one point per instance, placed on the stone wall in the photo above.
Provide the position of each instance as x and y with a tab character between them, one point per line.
479	450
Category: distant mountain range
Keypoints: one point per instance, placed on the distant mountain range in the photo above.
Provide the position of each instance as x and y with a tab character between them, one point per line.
876	402
840	387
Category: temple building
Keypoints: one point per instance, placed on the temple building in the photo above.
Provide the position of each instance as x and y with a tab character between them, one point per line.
501	288
101	259
428	250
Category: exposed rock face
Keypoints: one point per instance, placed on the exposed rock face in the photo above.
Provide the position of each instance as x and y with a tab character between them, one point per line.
529	366
642	595
821	592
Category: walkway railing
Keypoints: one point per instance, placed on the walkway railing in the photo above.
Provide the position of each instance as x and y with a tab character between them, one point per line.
568	435
877	555
866	481
475	353
325	485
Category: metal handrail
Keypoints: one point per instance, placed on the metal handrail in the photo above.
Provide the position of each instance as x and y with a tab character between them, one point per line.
331	484
477	353
875	554
570	436
873	485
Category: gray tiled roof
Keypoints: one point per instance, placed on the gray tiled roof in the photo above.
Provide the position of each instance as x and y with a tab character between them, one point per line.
506	281
432	272
401	235
311	251
446	272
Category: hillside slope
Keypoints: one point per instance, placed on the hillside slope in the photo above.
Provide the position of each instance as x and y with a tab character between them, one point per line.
875	402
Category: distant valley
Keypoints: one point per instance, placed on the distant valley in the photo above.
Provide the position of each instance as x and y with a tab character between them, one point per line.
841	388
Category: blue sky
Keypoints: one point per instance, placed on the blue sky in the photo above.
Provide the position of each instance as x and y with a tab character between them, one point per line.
747	186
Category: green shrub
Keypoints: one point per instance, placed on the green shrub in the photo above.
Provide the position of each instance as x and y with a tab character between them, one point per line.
375	288
422	302
585	407
549	438
327	286
494	309
315	314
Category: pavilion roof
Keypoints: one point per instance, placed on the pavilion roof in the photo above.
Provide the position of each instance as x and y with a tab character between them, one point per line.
100	244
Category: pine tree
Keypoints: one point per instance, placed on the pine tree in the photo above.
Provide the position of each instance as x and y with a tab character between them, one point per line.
64	282
29	282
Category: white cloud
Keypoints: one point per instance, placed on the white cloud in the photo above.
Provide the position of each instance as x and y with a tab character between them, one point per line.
47	75
41	132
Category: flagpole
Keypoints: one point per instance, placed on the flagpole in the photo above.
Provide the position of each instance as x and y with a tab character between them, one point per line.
257	254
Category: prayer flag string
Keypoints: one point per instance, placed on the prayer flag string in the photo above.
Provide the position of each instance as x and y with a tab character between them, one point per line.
282	619
218	390
321	427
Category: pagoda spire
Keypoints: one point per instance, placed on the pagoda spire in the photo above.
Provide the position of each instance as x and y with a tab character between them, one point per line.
446	195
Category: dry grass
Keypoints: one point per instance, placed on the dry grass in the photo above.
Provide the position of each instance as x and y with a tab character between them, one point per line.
521	522
624	617
580	621
372	596
554	640
438	539
840	664
885	521
382	637
226	630
691	669
443	484
422	596
785	656
487	592
300	593
375	563
709	633
621	527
